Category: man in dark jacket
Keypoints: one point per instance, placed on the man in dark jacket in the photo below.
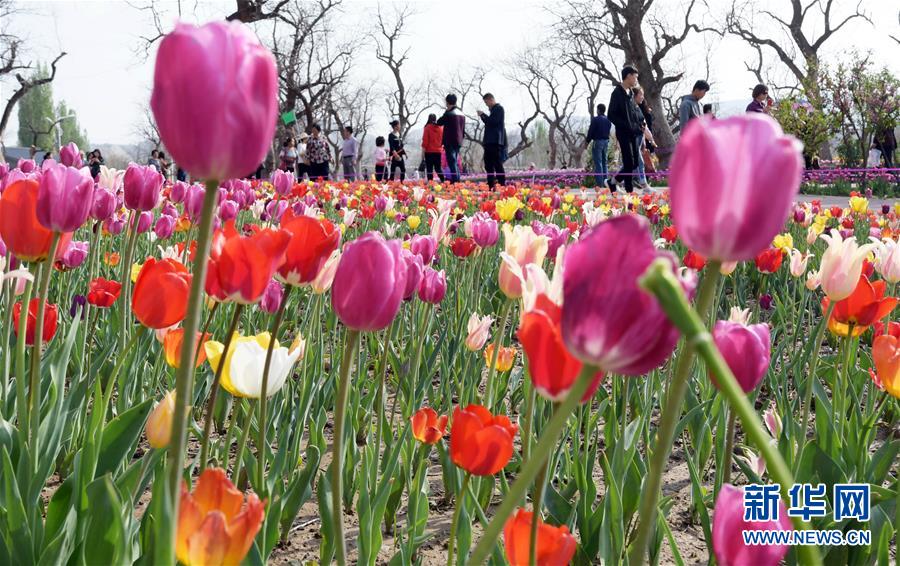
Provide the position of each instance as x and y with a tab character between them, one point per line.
598	133
494	141
625	116
454	123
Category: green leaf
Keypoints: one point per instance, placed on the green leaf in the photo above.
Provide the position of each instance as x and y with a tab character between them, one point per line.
106	539
14	520
120	437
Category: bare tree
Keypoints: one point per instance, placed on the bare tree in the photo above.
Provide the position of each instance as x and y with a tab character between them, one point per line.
605	35
26	84
146	128
408	102
349	107
796	46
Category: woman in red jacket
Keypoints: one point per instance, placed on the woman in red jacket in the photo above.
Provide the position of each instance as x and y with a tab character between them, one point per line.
431	147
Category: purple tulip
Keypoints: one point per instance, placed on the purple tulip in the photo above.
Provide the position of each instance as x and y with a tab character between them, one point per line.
145	221
605	315
78	301
276	209
114	224
193	201
485	230
64	198
169	209
272	297
380	203
142	187
556	236
714	181
799	215
414	273
75	254
165	226
746	349
765	301
228	210
103	203
729	525
433	286
423	246
70	155
369	283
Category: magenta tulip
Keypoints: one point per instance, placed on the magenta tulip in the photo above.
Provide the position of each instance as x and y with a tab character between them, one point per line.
283	182
26	165
114	224
272	296
177	192
75	254
165	226
484	229
414	272
228	210
103	203
215	99
728	525
607	320
369	283
732	183
145	221
64	198
746	349
142	187
70	155
433	286
424	247
193	201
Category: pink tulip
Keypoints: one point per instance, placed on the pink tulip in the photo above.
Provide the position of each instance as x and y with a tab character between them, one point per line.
369	283
64	198
522	247
283	182
142	187
423	246
75	254
114	224
145	221
728	525
70	155
215	99
193	201
732	183
484	230
177	192
607	320
746	349
103	203
165	226
433	287
228	210
272	297
26	165
414	272
479	330
325	277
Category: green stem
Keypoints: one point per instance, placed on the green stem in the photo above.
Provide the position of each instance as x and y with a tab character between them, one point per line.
498	342
7	359
533	466
184	377
340	407
454	524
124	302
529	422
214	391
536	506
21	401
262	449
379	398
34	389
729	447
660	281
670	414
807	397
242	443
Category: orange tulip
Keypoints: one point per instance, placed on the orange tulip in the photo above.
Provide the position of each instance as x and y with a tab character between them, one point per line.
24	236
886	354
215	526
480	442
240	267
866	305
427	426
159	423
172	347
555	545
161	293
112	259
505	358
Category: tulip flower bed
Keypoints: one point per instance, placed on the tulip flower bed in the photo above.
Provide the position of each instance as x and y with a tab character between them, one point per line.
238	371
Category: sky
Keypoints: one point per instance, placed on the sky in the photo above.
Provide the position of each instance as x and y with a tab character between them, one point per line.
106	78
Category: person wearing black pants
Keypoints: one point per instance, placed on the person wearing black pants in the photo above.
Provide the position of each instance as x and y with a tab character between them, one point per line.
494	141
398	154
627	118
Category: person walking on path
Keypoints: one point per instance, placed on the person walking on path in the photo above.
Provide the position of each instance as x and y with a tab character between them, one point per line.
398	154
302	159
626	117
432	147
760	96
380	158
349	153
318	154
645	140
454	123
287	158
690	103
598	135
494	141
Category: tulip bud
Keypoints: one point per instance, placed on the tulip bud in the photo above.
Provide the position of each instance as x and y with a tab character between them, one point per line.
272	296
478	331
103	203
142	187
159	423
433	286
70	156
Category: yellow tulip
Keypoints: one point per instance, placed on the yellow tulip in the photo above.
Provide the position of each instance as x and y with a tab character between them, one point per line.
413	221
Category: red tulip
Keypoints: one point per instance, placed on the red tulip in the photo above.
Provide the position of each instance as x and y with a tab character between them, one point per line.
694	260
240	267
769	260
161	293
480	442
427	426
866	305
555	545
462	247
553	369
311	244
51	317
103	292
